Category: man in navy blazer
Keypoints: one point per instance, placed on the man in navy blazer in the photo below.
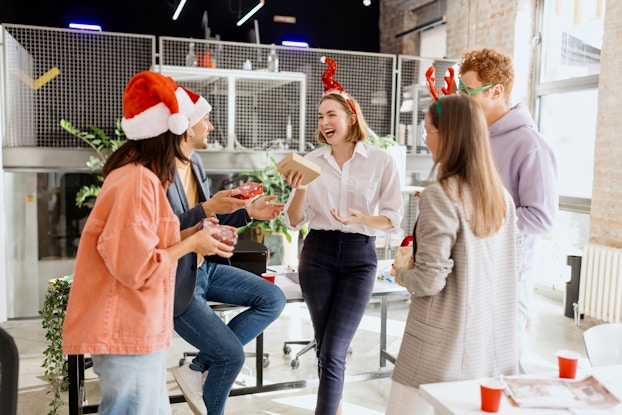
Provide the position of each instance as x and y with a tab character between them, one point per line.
212	278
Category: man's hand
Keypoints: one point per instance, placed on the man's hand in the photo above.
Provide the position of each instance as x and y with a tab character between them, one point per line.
223	202
263	209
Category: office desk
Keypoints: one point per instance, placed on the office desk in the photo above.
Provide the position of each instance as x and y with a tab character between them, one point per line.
463	397
382	290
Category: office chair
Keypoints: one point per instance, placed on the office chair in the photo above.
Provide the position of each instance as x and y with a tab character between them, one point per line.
9	373
603	344
309	344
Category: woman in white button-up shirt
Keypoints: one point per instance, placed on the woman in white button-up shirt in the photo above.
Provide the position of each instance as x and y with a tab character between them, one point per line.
356	197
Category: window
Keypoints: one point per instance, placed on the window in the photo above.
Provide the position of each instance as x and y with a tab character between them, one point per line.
571	39
566	95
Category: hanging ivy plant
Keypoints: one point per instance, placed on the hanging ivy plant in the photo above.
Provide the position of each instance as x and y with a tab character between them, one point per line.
54	362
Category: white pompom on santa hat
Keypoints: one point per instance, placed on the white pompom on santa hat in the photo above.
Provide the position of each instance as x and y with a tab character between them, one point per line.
194	106
154	104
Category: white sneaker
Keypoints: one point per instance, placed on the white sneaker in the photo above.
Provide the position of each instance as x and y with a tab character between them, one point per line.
191	384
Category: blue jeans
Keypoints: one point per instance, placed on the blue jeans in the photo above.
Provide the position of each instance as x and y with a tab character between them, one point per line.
337	274
221	345
132	384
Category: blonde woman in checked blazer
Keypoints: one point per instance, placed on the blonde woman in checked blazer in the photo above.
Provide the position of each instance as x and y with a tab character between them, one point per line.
462	318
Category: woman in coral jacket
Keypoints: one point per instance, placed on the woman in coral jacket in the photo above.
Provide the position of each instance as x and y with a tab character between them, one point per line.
120	308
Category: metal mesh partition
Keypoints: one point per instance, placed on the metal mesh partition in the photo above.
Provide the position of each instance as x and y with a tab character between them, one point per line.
414	98
261	119
19	95
75	75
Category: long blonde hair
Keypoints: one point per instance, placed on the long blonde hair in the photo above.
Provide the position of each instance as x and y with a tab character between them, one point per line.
464	153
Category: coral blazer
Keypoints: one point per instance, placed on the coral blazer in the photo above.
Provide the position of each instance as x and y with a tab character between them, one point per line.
121	297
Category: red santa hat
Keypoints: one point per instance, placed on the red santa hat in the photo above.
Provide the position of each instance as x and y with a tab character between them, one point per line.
200	107
154	104
330	85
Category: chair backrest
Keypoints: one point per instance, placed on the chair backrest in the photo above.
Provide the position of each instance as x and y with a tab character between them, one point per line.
9	373
251	256
603	344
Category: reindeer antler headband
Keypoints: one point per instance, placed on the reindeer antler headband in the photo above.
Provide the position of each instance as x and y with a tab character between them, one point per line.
447	89
330	85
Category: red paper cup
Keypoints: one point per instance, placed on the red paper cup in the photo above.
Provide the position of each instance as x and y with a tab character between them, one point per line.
491	391
567	361
268	276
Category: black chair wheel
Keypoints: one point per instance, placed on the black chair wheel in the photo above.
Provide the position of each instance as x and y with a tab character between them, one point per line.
286	349
295	363
266	362
182	361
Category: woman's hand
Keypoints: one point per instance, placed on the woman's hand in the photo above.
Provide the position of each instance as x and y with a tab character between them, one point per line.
356	216
396	274
294	179
205	244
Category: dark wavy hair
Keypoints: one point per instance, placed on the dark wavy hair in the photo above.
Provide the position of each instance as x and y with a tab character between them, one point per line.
158	154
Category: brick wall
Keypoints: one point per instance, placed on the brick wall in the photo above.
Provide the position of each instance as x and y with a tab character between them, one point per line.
606	216
471	24
395	17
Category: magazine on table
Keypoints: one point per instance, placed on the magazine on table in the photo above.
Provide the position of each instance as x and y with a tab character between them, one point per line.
537	392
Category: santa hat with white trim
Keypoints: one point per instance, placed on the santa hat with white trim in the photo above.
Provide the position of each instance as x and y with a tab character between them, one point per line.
154	104
200	107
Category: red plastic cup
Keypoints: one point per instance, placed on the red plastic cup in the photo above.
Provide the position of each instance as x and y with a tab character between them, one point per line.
491	391
567	361
268	276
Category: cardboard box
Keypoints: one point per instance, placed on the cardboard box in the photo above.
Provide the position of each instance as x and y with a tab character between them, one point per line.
296	162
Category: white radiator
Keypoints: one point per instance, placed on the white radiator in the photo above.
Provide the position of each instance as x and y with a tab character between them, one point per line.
600	288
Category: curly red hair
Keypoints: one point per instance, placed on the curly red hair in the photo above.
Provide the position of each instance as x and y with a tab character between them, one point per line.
491	66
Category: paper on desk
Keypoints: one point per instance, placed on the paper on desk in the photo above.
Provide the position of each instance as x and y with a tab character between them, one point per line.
559	393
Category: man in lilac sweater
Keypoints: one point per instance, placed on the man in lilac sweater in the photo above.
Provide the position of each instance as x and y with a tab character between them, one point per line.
526	163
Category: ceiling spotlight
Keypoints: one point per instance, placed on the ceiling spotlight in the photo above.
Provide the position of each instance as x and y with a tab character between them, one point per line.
252	12
180	6
366	2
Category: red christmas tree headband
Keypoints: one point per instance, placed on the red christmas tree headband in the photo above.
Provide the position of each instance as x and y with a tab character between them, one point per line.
330	85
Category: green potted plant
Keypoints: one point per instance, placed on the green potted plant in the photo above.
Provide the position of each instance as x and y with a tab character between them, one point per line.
270	232
54	362
103	146
273	184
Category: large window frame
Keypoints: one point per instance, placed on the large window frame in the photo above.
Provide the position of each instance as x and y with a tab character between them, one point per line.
577	71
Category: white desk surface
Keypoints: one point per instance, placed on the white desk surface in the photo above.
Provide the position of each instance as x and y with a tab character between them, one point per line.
463	397
293	293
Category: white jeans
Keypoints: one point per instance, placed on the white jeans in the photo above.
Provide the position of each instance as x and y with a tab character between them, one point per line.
132	384
404	400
